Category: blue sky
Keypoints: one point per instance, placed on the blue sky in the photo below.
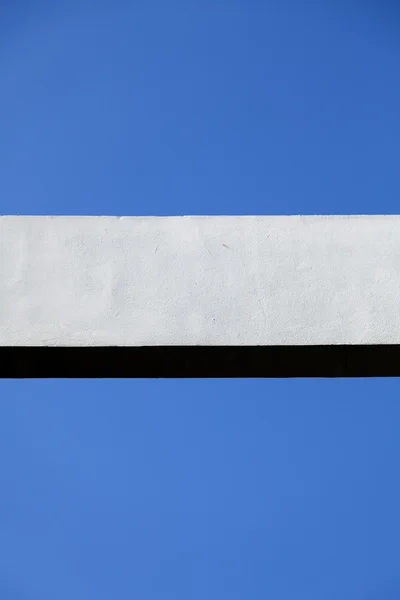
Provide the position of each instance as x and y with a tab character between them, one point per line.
210	489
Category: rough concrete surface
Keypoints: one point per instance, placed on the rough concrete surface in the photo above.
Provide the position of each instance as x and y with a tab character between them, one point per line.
138	281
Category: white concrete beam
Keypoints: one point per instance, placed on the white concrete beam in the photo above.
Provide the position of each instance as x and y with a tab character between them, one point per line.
237	282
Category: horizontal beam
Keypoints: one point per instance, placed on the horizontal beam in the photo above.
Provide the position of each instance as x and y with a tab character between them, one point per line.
199	296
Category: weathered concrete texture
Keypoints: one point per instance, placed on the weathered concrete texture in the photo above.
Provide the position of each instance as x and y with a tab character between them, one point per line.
138	281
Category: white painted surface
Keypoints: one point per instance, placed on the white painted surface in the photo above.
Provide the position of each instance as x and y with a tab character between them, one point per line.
199	280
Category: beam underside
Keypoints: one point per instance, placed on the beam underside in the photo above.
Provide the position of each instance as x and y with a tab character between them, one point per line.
200	362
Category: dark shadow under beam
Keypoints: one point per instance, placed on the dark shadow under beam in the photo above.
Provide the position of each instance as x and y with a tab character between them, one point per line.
200	361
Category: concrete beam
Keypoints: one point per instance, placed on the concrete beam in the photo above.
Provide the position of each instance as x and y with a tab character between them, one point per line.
200	296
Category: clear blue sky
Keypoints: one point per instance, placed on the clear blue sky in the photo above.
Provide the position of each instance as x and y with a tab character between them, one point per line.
210	489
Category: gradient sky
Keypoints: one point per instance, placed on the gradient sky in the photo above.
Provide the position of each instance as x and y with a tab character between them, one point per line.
202	489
